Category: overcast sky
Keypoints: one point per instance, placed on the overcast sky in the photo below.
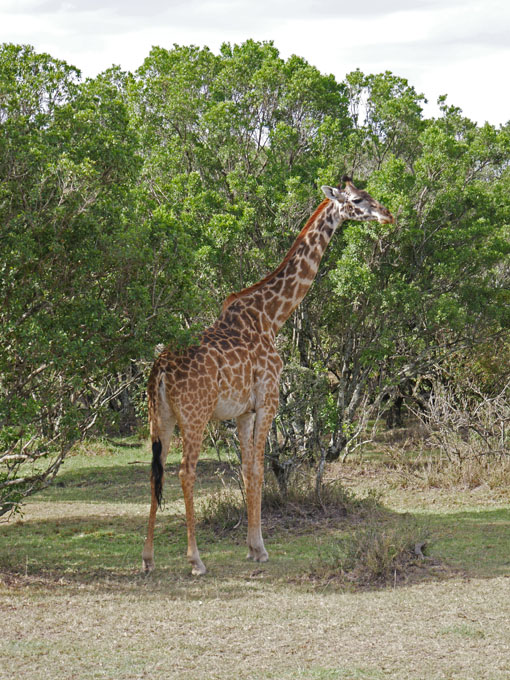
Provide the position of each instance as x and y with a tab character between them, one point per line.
456	47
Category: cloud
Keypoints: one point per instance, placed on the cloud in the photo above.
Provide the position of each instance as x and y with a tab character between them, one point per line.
426	41
472	20
118	15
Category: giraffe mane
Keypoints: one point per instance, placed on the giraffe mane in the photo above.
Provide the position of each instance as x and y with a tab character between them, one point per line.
245	291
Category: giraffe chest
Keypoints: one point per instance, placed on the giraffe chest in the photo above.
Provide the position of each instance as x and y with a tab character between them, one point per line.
235	391
243	386
234	400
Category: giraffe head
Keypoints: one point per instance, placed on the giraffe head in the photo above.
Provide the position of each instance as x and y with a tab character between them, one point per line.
356	204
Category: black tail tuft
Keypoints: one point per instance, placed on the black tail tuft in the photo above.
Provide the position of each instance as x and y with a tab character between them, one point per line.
157	470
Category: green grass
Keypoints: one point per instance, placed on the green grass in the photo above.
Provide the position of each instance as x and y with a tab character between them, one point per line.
114	476
104	501
74	603
477	542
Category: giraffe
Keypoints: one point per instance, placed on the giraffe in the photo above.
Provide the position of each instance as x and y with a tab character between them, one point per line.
234	370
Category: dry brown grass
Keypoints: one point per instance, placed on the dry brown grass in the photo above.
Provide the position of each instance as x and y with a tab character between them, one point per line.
409	471
223	629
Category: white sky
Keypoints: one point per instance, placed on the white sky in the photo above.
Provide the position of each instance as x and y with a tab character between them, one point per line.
456	47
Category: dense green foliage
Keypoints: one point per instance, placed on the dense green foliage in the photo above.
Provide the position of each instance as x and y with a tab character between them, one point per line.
132	204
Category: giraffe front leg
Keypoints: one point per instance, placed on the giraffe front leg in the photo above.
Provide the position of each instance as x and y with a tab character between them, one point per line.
256	549
253	482
254	477
253	474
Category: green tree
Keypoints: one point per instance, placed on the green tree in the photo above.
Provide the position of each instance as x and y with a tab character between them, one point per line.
67	172
248	137
251	128
408	296
131	205
392	301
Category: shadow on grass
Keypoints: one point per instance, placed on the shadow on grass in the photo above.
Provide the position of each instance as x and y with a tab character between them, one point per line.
92	549
107	551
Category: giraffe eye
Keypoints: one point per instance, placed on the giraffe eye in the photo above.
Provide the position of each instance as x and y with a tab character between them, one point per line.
357	200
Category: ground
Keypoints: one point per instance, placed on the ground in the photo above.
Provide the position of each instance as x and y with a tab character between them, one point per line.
74	603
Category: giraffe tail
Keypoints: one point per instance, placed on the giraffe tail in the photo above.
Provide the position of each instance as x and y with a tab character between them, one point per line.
153	393
157	470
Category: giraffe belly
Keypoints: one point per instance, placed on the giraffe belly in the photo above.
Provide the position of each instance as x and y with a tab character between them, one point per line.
229	407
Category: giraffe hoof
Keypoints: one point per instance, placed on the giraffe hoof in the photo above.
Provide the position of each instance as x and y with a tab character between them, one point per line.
257	555
198	569
147	564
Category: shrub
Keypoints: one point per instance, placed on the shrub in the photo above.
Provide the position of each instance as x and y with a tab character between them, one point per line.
377	552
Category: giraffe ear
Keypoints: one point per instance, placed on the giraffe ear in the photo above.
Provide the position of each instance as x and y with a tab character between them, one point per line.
333	194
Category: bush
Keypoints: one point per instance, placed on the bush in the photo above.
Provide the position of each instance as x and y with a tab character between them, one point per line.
466	424
375	553
463	441
225	510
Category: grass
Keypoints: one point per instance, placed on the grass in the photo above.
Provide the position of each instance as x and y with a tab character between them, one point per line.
74	604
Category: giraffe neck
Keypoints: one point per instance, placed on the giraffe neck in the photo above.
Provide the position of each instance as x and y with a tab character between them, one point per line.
271	301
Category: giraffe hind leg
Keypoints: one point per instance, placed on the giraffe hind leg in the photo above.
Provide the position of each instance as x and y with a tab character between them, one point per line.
191	443
157	474
161	434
